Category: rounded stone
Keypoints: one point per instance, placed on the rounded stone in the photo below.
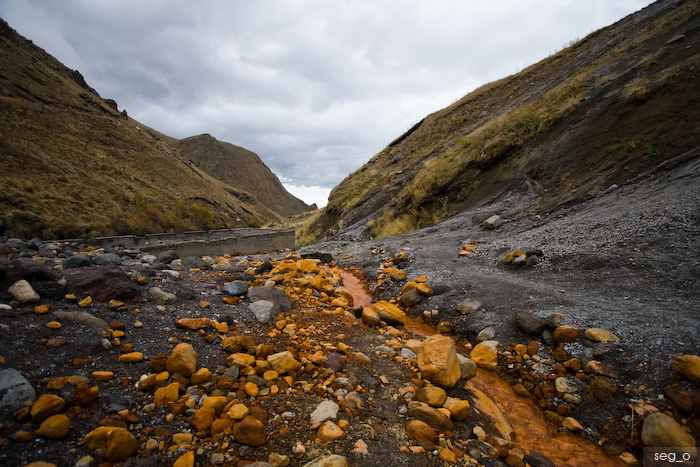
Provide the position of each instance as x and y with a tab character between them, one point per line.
182	359
55	427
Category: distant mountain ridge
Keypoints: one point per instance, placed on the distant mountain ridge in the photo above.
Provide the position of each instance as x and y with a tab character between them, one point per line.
610	107
227	162
74	165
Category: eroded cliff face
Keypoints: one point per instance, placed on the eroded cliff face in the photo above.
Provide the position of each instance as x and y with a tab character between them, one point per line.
612	106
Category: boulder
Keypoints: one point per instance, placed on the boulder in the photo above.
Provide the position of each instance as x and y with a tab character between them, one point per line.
438	361
483	404
102	283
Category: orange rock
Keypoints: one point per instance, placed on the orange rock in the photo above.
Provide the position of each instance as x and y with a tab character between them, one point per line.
131	357
182	359
194	323
485	355
389	312
185	460
45	406
329	431
42	309
438	361
118	443
251	389
566	333
204	418
54	427
431	395
221	328
283	362
53	325
201	376
459	409
221	425
169	393
419	431
86	302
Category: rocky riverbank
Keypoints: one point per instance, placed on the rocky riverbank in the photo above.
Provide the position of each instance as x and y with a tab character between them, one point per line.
120	357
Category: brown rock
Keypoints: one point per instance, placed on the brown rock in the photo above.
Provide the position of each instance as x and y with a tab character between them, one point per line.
131	357
431	395
431	416
421	431
687	401
283	362
571	424
389	312
218	402
54	427
370	317
232	344
595	367
458	408
438	361
410	298
221	425
485	355
395	274
566	333
118	442
193	323
84	394
182	359
45	406
688	366
329	431
250	431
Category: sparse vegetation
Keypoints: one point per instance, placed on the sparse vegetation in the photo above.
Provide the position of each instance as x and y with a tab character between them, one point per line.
148	217
637	91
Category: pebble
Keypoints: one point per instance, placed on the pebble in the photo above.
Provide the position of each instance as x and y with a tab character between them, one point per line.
45	406
131	357
329	431
119	444
600	335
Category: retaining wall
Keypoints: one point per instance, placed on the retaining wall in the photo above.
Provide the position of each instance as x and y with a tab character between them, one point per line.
212	243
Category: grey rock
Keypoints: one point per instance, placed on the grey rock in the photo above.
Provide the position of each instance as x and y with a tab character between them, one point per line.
106	259
272	294
554	320
232	372
486	334
324	411
236	288
385	349
660	430
77	261
15	390
263	268
195	262
493	222
264	311
548	337
161	296
167	256
82	317
408	353
468	306
467	367
35	243
532	261
410	298
23	292
529	322
519	260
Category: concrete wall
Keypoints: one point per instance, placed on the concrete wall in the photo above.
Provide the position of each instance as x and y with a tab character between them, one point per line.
215	242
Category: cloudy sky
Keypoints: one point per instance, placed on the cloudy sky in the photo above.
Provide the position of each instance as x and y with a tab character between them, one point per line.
315	87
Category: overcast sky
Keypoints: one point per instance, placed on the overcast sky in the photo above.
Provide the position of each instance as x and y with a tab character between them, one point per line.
315	88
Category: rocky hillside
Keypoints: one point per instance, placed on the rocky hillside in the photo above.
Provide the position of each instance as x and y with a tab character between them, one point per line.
74	165
612	106
241	169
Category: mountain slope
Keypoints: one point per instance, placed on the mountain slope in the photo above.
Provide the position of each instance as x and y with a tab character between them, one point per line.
614	105
73	165
242	169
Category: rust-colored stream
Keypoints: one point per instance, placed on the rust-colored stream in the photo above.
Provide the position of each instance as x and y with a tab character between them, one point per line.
531	430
